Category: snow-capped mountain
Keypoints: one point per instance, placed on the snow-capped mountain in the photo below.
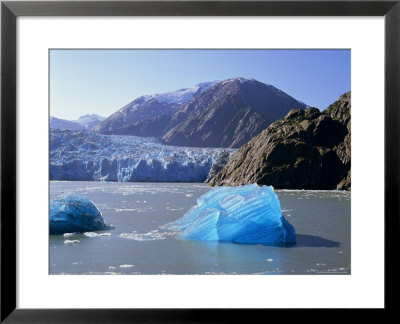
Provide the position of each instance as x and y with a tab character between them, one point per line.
64	124
224	113
89	120
84	122
229	114
150	106
181	96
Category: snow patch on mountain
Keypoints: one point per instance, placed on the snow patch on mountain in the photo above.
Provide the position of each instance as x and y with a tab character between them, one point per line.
181	96
241	80
64	124
84	122
89	120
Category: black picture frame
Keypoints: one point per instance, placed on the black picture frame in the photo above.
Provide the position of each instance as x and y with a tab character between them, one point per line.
10	10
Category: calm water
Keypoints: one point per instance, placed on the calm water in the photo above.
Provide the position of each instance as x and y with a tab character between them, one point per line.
138	246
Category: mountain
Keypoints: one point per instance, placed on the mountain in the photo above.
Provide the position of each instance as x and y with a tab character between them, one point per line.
147	107
306	149
223	114
84	122
89	121
64	124
229	114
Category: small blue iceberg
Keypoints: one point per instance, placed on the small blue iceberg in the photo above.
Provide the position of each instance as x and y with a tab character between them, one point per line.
247	214
75	214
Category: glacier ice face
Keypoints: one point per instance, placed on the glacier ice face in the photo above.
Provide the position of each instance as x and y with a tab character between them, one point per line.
75	214
88	156
244	214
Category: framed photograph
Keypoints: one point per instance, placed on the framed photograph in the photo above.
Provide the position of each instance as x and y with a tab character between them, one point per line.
180	160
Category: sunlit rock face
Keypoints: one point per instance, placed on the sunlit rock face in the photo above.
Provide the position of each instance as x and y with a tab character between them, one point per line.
245	214
75	214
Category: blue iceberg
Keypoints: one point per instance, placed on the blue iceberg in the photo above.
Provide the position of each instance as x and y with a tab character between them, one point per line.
245	214
75	214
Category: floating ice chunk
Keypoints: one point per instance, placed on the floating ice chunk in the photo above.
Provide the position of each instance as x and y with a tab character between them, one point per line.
75	214
71	242
150	236
243	214
91	234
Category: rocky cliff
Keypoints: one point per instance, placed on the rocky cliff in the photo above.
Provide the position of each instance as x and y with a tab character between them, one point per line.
306	149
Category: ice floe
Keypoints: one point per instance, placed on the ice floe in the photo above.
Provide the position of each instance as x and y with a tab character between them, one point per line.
75	214
71	242
150	236
242	214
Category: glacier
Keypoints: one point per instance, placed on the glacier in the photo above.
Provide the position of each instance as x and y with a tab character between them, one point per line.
75	214
247	214
89	156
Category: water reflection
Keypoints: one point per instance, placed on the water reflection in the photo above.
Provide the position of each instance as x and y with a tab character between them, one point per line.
231	258
304	240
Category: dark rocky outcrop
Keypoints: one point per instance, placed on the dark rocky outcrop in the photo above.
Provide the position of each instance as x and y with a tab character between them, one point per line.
306	149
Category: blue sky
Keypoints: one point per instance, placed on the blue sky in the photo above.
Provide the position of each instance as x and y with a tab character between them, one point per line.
103	81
